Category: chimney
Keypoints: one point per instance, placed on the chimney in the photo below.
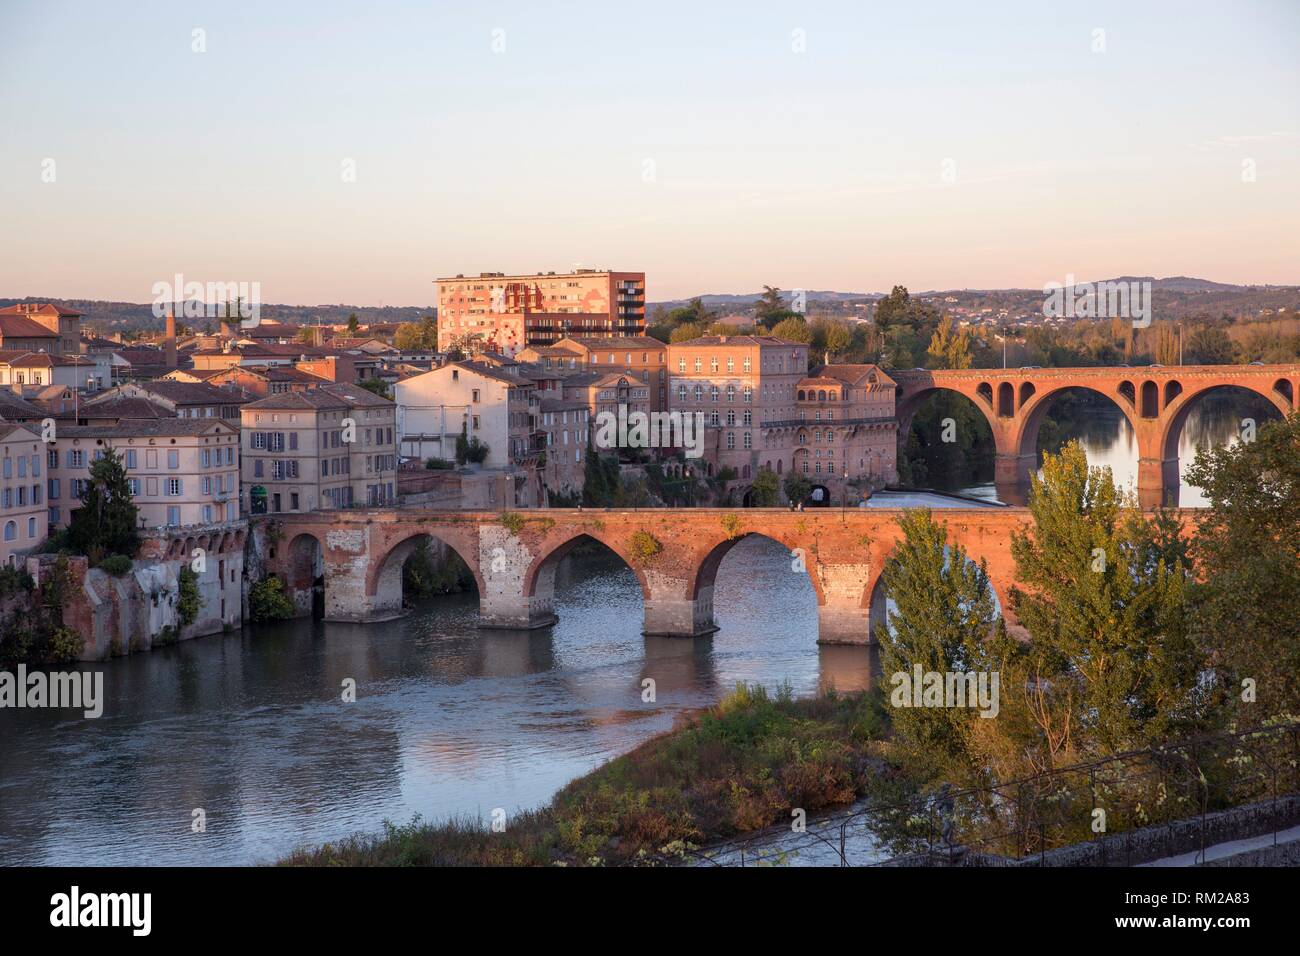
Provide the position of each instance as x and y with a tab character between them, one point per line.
169	343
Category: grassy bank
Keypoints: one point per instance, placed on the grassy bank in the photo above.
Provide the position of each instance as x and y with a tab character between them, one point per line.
739	766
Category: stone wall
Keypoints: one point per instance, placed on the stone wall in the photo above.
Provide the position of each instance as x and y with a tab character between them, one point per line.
138	611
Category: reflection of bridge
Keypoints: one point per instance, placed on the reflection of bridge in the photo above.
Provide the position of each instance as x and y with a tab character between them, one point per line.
360	554
1155	400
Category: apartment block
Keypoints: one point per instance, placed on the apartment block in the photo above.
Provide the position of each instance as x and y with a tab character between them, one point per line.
746	387
182	471
505	313
328	447
23	521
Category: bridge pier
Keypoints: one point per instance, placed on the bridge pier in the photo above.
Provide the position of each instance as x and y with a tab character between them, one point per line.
1157	482
680	617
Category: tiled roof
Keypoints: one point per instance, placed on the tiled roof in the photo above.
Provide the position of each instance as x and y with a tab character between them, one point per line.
740	340
193	393
147	428
333	395
44	308
21	327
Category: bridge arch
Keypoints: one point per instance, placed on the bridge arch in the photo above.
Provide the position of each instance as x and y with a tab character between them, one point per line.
981	397
303	566
1025	437
1178	411
384	577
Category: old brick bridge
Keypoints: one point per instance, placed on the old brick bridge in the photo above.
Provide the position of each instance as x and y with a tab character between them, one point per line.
359	556
1156	401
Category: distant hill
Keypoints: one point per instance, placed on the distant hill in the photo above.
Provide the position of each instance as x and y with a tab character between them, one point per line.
126	316
1176	297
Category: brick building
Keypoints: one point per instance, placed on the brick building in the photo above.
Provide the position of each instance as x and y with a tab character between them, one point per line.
497	312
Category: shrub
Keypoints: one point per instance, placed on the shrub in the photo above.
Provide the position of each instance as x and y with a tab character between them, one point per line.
115	564
512	521
645	546
439	464
13	580
64	646
731	525
189	600
268	602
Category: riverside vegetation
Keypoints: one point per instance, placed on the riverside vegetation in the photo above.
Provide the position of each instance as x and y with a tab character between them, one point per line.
1173	634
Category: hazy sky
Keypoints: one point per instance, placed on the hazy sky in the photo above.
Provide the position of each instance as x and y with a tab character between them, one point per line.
937	145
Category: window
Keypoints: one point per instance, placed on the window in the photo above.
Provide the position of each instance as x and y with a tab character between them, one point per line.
11	530
173	514
174	486
749	440
731	439
76	459
54	489
681	365
173	458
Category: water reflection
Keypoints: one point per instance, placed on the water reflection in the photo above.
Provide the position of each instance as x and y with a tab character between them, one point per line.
448	719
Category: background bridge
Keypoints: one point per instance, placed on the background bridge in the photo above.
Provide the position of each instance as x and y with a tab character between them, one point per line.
1155	400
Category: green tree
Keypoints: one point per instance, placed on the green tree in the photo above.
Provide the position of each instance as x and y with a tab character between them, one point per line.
189	601
685	332
794	330
268	602
944	620
353	325
376	385
1247	552
839	338
949	346
1103	602
107	521
766	488
797	487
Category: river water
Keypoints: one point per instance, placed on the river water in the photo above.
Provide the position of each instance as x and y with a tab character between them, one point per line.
251	729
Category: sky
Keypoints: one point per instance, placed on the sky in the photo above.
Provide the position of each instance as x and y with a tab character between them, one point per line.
353	152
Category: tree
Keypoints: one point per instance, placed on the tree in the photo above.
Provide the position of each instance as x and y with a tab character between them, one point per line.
794	330
797	487
685	332
268	602
1103	601
949	347
1247	552
839	338
943	621
189	600
376	385
107	521
1210	345
766	488
353	325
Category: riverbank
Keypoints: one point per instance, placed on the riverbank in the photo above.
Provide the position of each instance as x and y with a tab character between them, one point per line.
734	768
